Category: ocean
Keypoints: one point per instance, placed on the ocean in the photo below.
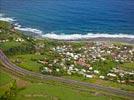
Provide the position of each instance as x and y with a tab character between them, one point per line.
71	19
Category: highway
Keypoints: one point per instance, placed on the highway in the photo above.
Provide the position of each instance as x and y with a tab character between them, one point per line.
14	68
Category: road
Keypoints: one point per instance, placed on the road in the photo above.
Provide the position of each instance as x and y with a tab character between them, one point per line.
12	67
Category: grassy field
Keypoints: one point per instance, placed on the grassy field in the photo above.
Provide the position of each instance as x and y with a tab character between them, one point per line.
98	81
8	45
4	78
28	61
48	90
128	66
59	92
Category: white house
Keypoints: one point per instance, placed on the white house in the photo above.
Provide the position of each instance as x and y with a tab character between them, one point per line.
89	76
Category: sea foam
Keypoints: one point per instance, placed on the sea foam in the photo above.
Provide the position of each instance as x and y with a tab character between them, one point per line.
27	29
18	26
86	36
7	19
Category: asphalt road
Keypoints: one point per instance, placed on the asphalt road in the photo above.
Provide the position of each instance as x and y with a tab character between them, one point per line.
12	67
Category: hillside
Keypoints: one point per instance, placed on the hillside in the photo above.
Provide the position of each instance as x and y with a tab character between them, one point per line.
104	63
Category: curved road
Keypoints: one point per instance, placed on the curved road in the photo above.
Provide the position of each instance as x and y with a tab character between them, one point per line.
12	67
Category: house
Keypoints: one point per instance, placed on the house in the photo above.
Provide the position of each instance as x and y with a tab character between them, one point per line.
89	76
82	62
90	68
43	62
111	74
57	70
102	77
96	71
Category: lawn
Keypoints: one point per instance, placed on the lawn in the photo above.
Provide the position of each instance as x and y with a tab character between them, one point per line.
103	82
29	61
4	78
128	66
49	90
59	92
7	45
104	67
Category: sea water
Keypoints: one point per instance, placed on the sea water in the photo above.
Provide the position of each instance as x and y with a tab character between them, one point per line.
71	19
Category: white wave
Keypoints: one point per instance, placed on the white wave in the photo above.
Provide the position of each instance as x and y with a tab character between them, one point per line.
86	36
7	19
27	29
18	26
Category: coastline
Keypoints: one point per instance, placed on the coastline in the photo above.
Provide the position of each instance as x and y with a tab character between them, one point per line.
127	40
103	39
88	39
124	38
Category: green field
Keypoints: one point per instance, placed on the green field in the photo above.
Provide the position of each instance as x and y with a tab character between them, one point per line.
9	45
4	78
26	90
28	61
59	92
128	66
103	83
